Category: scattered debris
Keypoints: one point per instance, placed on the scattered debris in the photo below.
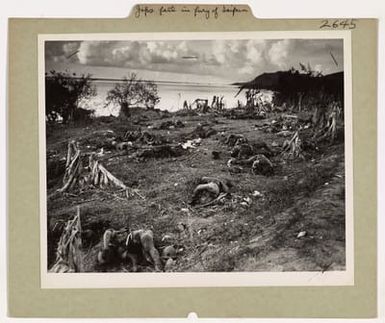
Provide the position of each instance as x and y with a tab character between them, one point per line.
144	137
202	131
257	194
284	125
162	151
246	201
247	156
201	105
170	124
301	234
125	145
192	143
240	113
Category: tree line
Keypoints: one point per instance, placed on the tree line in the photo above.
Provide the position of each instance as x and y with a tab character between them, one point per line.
64	92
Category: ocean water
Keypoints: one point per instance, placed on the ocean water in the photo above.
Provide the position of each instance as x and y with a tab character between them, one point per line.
172	95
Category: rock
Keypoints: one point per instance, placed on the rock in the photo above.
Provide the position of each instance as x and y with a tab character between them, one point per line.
248	200
257	194
301	234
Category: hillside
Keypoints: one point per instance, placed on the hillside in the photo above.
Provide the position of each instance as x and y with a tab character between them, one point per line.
293	219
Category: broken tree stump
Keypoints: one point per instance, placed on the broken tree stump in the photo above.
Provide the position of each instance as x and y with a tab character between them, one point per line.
73	167
94	173
292	148
68	252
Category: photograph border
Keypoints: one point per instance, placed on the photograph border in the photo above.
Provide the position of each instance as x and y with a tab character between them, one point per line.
204	279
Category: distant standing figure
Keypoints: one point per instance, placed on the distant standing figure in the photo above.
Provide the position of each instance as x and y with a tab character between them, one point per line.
221	103
214	104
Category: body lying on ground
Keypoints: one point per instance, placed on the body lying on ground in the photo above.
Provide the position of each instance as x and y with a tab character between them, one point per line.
260	164
122	245
209	188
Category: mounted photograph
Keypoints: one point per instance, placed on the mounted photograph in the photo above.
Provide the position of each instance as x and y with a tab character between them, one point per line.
196	159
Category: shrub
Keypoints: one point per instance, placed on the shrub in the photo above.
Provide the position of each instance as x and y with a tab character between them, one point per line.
133	92
63	93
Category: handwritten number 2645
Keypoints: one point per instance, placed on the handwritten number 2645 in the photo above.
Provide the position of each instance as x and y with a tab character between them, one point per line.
344	24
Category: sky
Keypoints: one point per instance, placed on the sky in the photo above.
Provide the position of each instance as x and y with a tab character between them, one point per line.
212	61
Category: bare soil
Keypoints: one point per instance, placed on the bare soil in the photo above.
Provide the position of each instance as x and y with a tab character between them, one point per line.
242	232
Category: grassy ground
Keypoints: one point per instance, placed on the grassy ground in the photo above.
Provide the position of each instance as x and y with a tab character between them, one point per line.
241	233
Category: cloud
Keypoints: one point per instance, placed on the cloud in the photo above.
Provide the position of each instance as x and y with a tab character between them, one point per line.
256	50
279	52
98	52
247	69
318	68
135	54
230	59
60	51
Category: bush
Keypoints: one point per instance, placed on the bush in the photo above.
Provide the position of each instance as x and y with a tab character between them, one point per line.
63	93
133	92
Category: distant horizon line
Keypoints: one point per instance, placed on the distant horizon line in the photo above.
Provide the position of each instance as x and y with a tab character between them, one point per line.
106	79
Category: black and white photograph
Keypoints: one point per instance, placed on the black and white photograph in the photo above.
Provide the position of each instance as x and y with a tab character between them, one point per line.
224	156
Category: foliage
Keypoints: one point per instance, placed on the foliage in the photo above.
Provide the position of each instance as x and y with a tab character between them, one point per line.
310	90
64	92
133	92
306	69
326	120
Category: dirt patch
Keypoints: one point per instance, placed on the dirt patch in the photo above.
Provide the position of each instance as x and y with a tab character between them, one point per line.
254	228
